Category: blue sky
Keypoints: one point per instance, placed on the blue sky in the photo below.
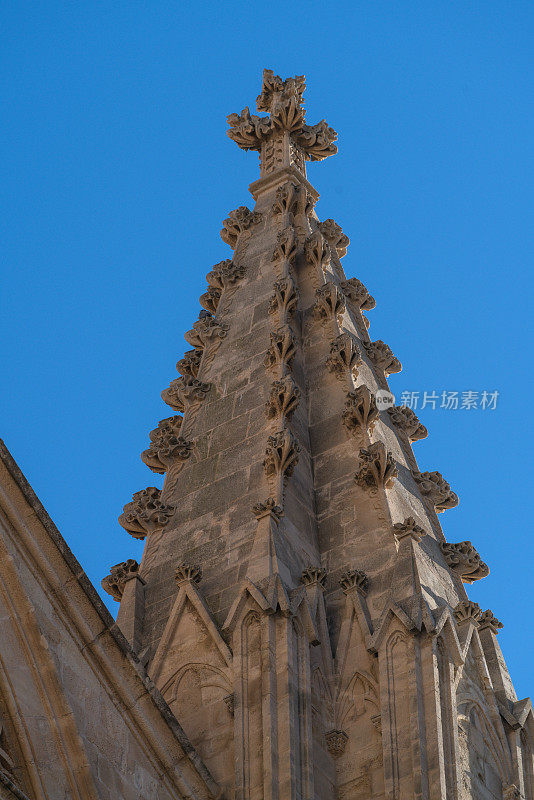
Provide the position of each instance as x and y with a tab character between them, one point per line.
117	173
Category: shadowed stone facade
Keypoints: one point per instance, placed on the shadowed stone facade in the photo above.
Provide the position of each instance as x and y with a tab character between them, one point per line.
297	605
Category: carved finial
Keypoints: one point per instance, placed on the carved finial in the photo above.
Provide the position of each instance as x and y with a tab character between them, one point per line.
314	576
206	331
467	611
336	742
115	582
166	445
344	356
355	579
360	412
190	363
433	486
183	391
463	559
268	509
146	513
236	223
377	467
488	620
381	357
283	398
335	237
409	528
406	420
188	573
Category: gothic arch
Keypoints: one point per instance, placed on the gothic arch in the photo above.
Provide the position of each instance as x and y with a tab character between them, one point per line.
470	712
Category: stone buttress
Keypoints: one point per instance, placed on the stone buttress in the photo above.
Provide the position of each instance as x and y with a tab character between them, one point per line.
297	603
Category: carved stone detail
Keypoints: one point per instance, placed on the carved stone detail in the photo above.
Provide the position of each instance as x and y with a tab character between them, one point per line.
381	357
314	575
344	356
188	573
205	331
238	221
317	250
286	249
360	411
377	467
329	303
210	299
435	488
284	300
115	582
285	197
281	455
355	579
225	274
409	528
336	741
183	391
463	559
190	363
335	237
467	611
167	446
247	130
282	349
406	420
511	792
488	620
283	398
355	291
268	508
146	513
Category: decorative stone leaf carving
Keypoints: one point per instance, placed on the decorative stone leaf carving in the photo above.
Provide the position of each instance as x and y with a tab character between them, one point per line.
284	300
145	514
317	141
190	363
317	250
329	303
115	582
314	575
335	237
205	331
463	559
188	573
406	420
286	249
336	741
377	467
409	528
229	702
269	508
273	86
183	391
488	620
467	611
511	792
238	221
247	130
433	486
360	411
344	356
210	299
283	398
225	274
381	357
282	349
355	579
281	455
167	446
356	292
285	197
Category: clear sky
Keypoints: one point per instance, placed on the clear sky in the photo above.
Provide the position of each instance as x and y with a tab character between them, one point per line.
117	174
